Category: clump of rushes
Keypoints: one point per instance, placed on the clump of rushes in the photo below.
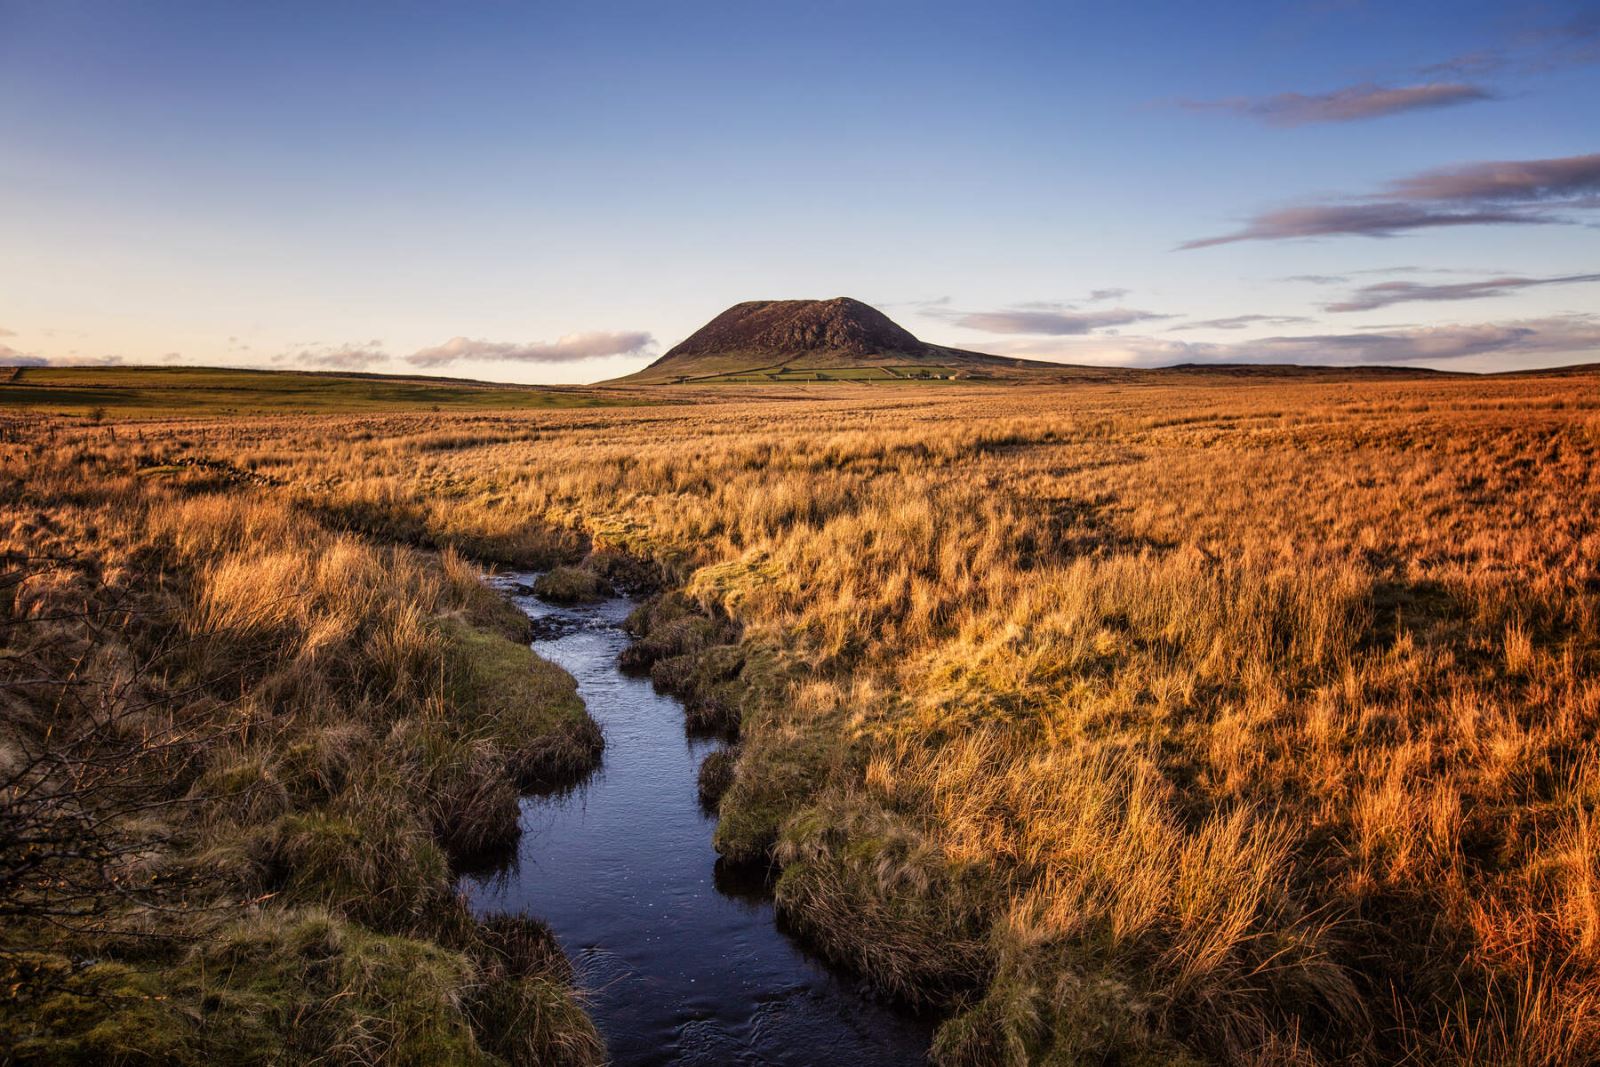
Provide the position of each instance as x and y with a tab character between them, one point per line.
471	800
524	1009
559	759
875	894
380	865
716	775
707	682
623	571
650	624
694	656
306	730
571	585
305	985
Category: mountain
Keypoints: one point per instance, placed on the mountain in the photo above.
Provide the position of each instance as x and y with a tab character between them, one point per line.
786	341
811	340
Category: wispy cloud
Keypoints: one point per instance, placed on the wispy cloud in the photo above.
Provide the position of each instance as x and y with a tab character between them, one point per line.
1094	296
1340	279
1563	334
341	357
1571	338
10	357
1503	181
568	349
926	304
1385	294
1239	322
1349	104
1368	220
1511	192
1053	323
1575	42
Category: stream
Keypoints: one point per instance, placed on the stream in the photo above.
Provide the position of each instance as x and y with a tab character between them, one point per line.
680	960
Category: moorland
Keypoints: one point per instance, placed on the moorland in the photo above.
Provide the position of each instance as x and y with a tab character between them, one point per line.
1197	717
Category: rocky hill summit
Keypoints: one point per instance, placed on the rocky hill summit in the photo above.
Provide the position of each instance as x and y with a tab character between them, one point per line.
789	327
812	340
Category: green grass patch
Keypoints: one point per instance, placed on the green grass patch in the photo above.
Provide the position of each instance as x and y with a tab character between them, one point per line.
793	375
528	708
302	986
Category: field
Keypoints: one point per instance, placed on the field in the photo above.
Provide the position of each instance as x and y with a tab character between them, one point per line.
1192	719
148	392
837	374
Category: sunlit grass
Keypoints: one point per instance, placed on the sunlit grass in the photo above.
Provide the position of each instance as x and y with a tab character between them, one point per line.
152	392
1234	719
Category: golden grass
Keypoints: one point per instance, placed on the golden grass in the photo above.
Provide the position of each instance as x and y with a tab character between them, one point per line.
1242	721
240	751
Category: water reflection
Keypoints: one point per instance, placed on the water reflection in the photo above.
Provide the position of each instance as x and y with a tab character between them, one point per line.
678	952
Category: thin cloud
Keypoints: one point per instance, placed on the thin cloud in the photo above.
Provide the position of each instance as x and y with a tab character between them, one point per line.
10	357
1385	294
1367	220
1094	296
569	349
1340	279
343	357
1510	192
1469	64
1530	180
1574	338
1574	43
1053	323
1421	270
1558	335
1538	51
925	304
1239	322
1349	104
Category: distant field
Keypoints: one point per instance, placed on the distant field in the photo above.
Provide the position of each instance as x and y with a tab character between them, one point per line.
835	374
163	391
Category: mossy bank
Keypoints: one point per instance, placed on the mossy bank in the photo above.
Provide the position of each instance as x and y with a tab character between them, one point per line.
269	745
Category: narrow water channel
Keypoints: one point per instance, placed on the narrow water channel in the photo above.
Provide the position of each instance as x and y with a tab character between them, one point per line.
681	962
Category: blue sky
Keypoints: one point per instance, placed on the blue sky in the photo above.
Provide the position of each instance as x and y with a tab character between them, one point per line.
530	192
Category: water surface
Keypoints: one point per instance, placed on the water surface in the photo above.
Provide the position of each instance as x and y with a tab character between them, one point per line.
682	962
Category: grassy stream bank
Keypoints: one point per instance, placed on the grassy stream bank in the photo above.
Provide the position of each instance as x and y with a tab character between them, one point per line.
242	752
